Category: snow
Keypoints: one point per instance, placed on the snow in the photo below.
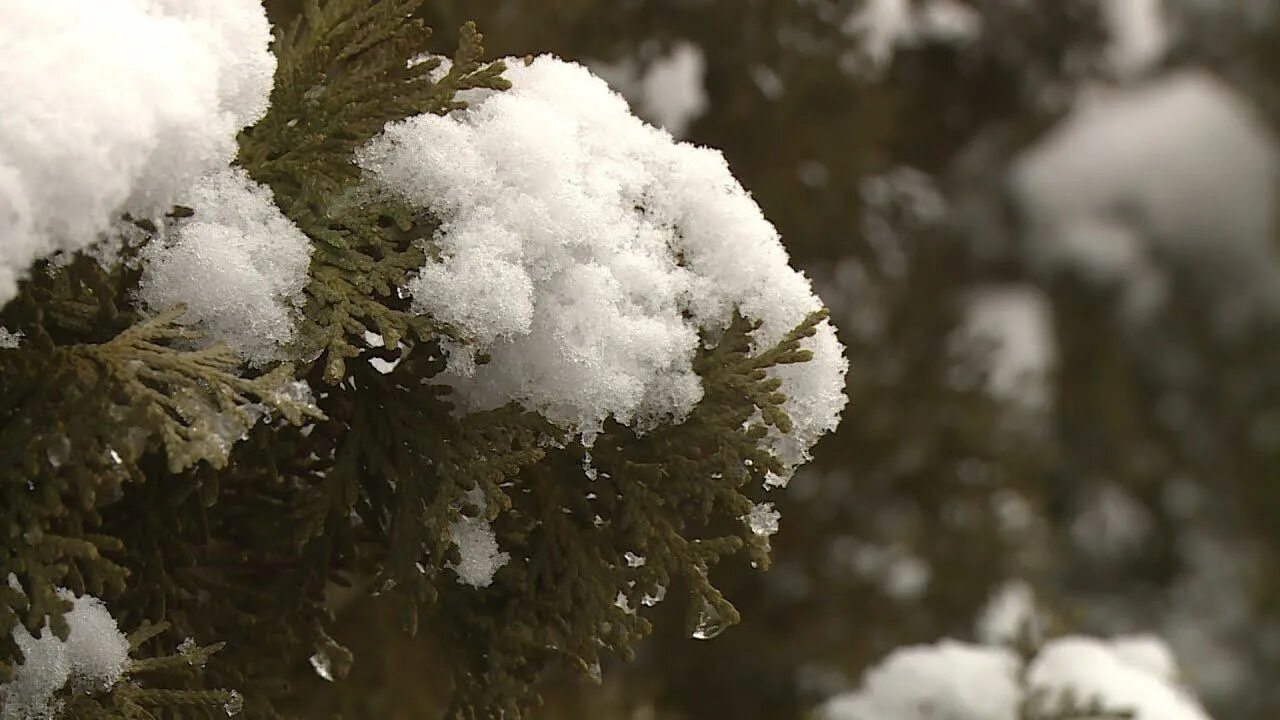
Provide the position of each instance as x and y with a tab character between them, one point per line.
763	519
882	26
478	548
1008	615
1177	167
92	658
114	106
1094	669
963	681
949	680
9	339
238	266
1014	323
584	250
1139	34
670	91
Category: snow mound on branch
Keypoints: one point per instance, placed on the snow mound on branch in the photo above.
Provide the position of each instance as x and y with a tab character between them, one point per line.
113	106
238	266
959	681
583	250
92	658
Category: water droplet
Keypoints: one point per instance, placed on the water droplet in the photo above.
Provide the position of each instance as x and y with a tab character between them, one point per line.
234	704
711	622
323	666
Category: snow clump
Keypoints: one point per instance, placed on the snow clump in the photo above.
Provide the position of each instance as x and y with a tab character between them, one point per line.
92	658
238	266
114	106
584	250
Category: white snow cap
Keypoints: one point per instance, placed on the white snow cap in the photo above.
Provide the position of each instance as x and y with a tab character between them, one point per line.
238	265
114	106
93	657
584	249
959	681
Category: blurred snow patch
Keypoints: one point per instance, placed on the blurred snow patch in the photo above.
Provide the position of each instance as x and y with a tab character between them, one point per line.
1177	170
1014	323
882	26
669	90
960	681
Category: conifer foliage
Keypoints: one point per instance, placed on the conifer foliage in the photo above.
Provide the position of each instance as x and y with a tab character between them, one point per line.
463	335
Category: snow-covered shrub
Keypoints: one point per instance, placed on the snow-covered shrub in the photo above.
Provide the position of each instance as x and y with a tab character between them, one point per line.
238	395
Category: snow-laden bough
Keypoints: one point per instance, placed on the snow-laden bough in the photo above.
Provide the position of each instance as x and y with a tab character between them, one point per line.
584	251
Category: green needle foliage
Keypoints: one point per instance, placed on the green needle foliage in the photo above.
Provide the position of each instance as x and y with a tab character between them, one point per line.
232	511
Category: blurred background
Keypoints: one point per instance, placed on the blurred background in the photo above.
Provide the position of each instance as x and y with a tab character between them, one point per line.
1046	232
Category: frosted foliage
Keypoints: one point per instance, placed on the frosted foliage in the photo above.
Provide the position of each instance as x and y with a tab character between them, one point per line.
238	265
478	549
958	681
583	250
92	658
114	106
